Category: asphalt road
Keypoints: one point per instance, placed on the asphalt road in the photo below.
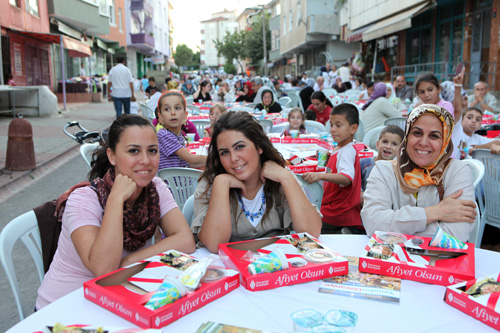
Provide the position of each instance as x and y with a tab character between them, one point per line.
47	188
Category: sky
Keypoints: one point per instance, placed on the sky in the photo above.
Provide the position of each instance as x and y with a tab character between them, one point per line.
187	14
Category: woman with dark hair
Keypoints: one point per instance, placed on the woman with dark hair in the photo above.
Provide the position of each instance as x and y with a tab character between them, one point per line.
424	188
321	106
305	96
245	191
248	93
203	91
109	222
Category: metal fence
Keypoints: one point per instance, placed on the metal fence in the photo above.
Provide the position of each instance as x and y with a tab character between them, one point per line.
474	72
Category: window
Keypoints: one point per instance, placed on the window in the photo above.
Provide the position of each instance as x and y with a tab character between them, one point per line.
284	25
290	16
32	7
103	7
120	19
278	9
15	3
112	16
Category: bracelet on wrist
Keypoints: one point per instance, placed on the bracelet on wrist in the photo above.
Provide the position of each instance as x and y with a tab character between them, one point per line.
457	85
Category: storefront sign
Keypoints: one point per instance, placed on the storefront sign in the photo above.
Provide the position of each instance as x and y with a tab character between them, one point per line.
18	64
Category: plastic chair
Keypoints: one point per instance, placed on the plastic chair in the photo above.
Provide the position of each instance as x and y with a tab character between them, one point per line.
335	100
192	109
371	137
181	181
24	227
296	100
477	168
147	112
329	93
252	105
242	108
200	126
360	133
285	101
314	191
188	210
398	121
266	124
491	181
313	126
86	150
189	99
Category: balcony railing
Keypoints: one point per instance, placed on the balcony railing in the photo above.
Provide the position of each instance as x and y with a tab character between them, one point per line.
474	71
143	38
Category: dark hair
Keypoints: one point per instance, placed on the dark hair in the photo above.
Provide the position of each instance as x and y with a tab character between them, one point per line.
426	77
370	84
100	163
472	108
204	83
295	81
246	124
120	59
393	129
151	78
310	115
349	111
320	96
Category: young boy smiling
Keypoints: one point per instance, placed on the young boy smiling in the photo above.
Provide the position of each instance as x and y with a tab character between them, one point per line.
342	181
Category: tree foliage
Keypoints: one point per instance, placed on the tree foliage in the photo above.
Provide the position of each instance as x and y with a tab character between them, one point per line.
183	55
255	40
232	46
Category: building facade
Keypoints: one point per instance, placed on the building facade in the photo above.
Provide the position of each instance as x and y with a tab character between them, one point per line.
212	30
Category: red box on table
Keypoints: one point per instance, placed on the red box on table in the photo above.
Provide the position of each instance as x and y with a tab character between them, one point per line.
418	268
113	291
231	254
485	308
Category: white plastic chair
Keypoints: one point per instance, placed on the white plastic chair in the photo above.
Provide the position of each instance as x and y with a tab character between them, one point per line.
491	182
360	133
398	121
329	93
477	168
296	100
192	109
371	137
189	99
200	125
181	181
86	150
188	210
314	191
313	126
147	112
252	105
285	101
24	227
242	108
267	125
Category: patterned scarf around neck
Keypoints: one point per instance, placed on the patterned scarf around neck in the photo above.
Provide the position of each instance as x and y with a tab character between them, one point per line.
412	177
140	221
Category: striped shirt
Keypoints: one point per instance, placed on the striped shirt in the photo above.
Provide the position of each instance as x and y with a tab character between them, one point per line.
169	143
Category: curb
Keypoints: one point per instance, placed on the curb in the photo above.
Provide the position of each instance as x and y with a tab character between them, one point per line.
32	176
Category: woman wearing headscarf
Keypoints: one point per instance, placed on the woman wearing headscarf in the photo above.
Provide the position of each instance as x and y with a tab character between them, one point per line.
424	188
249	94
375	112
305	95
268	103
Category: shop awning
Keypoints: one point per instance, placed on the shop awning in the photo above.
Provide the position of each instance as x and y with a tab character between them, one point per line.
356	35
392	24
75	47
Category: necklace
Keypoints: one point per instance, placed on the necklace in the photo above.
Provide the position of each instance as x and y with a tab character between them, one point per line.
252	216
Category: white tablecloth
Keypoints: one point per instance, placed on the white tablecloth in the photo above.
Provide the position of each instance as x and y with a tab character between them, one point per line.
421	309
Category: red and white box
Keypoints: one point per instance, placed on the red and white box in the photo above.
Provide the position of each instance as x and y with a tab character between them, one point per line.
126	291
485	308
420	268
233	256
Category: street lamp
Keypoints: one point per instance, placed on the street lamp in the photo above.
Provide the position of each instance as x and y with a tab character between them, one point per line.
261	9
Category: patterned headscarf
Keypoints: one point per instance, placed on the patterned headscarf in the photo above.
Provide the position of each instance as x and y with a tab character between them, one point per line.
448	91
412	177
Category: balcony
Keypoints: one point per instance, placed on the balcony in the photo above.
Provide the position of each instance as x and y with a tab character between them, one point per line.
143	41
323	24
141	5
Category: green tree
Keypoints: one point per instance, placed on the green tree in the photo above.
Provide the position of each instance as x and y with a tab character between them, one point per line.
183	55
232	47
195	63
254	40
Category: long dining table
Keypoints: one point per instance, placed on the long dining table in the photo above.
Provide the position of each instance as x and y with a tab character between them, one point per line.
421	307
